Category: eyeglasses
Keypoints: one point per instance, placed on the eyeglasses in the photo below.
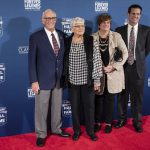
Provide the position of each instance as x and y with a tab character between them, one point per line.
79	26
50	18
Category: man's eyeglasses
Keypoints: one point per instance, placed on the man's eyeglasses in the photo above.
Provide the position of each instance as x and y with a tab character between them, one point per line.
49	18
79	26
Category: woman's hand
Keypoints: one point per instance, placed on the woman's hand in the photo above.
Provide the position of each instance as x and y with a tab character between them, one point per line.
97	88
109	69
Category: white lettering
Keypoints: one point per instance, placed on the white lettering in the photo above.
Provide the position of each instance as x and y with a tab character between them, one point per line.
2	120
2	116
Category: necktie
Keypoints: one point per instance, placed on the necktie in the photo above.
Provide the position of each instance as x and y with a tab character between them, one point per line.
131	47
55	44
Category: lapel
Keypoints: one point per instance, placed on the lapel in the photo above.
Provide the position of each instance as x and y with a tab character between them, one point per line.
125	35
96	36
86	44
69	42
61	40
138	36
112	44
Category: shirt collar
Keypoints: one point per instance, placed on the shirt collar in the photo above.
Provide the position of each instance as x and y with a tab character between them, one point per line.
49	32
135	27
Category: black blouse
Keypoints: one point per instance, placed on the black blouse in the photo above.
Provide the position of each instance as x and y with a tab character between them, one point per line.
104	49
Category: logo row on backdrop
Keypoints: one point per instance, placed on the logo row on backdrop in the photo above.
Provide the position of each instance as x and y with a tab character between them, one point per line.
35	5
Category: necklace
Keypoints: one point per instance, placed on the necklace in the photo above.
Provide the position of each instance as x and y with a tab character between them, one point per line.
103	44
103	40
103	50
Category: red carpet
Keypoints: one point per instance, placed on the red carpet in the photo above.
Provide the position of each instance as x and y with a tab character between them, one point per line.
120	139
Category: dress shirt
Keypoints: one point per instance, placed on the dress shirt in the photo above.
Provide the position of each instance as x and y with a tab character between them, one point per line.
50	37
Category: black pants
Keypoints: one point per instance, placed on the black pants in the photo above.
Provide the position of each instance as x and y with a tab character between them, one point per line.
99	109
133	90
104	106
82	94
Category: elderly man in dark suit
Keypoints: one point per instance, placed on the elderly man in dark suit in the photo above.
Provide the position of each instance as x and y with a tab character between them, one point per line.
137	39
46	51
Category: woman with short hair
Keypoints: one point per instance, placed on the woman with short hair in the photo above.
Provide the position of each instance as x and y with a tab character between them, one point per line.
82	70
109	43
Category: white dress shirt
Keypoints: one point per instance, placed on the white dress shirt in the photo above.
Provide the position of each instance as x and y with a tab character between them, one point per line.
50	37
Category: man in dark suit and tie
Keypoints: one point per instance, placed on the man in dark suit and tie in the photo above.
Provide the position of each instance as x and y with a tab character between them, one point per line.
137	39
46	51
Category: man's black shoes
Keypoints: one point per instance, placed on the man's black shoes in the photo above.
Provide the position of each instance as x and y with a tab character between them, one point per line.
40	142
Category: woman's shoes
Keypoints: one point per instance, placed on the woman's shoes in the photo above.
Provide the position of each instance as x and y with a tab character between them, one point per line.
93	137
76	136
108	128
97	127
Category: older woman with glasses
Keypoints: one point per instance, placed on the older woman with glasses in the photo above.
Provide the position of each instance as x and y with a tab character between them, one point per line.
82	70
110	43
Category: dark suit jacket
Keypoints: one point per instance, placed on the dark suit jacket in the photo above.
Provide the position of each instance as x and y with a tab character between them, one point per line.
142	46
44	66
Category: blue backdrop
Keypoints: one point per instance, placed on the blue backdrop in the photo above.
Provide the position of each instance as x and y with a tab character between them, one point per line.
18	19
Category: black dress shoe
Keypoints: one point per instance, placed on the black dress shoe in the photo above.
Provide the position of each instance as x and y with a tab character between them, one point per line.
40	142
138	128
63	134
97	127
76	136
120	124
93	137
108	128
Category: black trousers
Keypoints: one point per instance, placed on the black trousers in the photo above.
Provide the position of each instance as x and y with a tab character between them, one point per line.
99	109
82	94
104	106
134	90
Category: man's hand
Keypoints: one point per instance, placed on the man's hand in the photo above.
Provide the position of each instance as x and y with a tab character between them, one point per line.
35	87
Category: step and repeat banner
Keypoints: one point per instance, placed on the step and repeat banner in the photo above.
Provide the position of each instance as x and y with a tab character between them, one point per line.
18	19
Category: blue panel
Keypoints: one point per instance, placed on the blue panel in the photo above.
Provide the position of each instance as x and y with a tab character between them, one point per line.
18	19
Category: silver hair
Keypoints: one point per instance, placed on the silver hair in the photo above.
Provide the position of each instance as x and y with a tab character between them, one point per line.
76	20
48	10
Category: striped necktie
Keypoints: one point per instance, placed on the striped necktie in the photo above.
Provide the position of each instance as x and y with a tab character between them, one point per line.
131	47
55	44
